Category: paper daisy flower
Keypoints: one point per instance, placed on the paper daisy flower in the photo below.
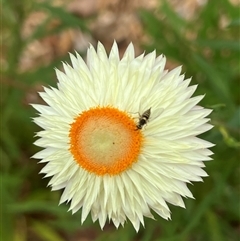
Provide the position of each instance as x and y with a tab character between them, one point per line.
120	136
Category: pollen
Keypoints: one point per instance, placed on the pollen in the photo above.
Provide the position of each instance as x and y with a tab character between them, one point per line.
104	140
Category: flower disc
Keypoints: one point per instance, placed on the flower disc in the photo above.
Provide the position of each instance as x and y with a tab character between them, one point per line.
105	141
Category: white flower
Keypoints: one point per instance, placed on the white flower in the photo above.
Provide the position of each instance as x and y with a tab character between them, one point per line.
112	159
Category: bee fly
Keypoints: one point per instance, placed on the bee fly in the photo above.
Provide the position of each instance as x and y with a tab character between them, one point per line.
143	119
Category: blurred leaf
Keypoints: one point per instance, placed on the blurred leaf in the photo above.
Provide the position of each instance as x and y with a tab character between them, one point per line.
37	206
67	20
44	74
235	22
230	141
219	44
219	85
45	232
20	233
215	233
177	22
235	120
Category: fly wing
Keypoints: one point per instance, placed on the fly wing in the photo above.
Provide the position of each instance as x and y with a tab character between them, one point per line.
155	113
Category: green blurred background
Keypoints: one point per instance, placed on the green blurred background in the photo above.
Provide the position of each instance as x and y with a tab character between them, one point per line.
202	36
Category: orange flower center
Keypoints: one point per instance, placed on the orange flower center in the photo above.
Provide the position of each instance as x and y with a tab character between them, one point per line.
104	140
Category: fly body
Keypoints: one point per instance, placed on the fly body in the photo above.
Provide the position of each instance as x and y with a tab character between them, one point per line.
143	119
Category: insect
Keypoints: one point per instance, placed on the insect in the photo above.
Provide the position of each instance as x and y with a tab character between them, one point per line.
143	119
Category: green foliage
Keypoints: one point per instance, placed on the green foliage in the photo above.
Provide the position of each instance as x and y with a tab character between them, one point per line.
207	51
